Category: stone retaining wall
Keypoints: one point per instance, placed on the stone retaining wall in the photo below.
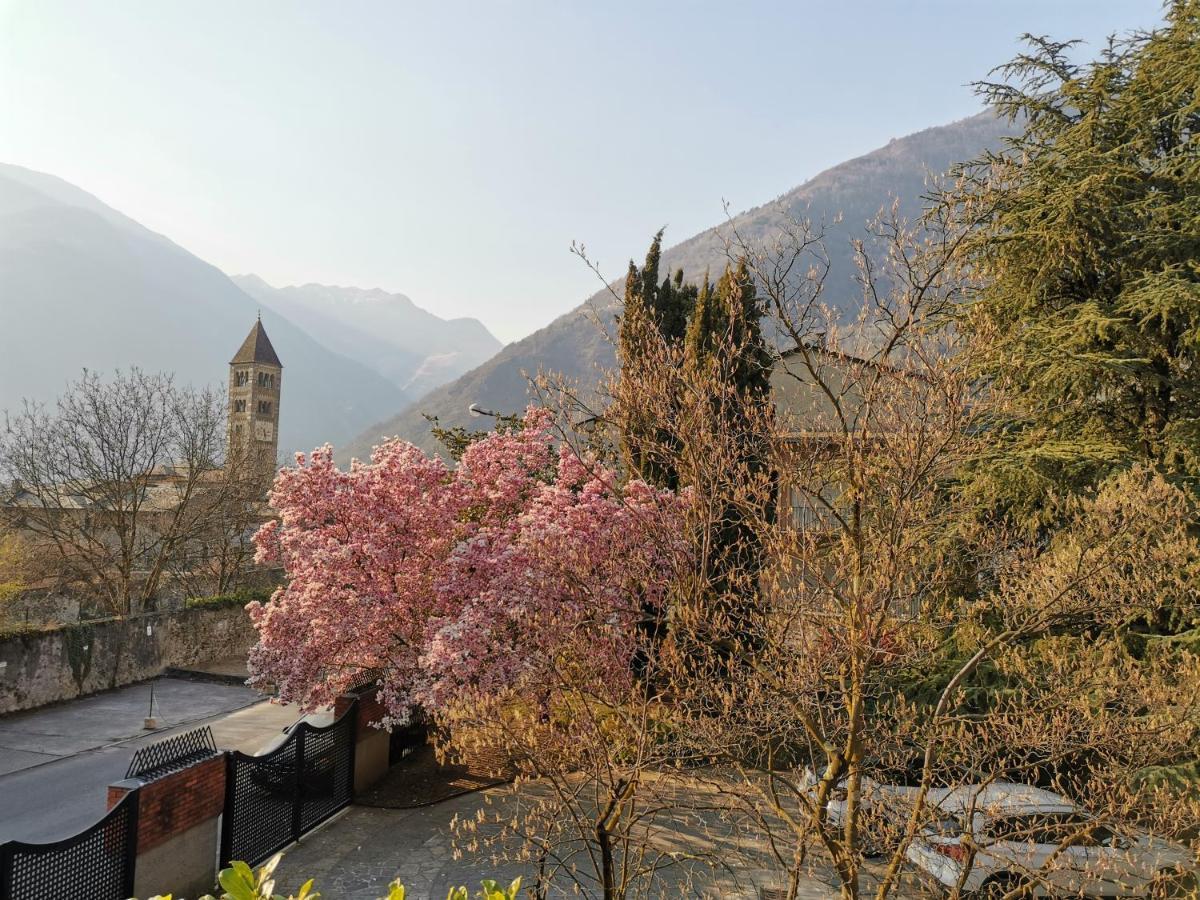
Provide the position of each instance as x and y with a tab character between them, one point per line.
71	661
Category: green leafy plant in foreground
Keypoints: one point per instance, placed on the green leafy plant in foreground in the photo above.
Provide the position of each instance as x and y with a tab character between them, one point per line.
240	882
489	889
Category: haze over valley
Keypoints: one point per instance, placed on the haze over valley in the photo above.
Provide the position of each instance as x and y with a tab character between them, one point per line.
578	344
83	286
104	292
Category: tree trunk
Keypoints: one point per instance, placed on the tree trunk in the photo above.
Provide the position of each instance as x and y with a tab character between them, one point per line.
607	869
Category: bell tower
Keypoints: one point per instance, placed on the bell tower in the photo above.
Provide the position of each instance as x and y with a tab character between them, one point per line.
255	376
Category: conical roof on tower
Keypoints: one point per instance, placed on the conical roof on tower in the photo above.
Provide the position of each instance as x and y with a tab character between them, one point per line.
256	348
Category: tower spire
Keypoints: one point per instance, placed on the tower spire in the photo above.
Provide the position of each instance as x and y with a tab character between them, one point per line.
255	376
257	348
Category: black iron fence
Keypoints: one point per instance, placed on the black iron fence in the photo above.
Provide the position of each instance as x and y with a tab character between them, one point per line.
270	801
172	755
96	864
273	799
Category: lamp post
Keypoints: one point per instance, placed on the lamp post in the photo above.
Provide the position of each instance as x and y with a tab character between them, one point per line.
150	723
479	412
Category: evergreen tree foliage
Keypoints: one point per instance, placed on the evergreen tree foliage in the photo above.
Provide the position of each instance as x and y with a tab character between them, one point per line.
724	348
727	322
1085	243
703	344
666	305
1082	249
654	322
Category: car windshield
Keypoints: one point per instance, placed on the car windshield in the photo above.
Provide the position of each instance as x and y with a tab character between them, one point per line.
944	825
1049	828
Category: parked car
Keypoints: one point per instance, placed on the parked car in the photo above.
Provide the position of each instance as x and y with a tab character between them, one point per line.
885	807
1017	830
1026	835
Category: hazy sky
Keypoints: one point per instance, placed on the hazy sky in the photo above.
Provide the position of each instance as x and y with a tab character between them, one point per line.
452	151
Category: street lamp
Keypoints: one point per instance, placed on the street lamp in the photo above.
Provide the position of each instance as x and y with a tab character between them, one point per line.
478	411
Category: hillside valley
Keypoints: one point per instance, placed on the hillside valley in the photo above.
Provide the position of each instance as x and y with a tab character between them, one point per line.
84	286
578	344
412	348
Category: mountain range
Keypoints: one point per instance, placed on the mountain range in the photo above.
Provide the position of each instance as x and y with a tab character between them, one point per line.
578	344
85	286
412	348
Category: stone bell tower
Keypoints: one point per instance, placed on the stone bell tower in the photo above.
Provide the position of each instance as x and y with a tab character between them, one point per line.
255	375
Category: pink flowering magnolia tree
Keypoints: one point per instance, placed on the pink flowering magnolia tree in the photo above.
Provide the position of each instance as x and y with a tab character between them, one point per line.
467	581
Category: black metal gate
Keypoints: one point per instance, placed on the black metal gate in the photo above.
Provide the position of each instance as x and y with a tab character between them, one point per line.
273	799
96	864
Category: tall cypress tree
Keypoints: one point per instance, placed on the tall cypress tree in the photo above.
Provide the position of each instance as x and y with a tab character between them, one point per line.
726	329
655	317
664	306
724	347
708	336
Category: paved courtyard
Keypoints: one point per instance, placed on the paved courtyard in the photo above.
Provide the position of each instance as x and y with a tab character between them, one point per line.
65	729
356	856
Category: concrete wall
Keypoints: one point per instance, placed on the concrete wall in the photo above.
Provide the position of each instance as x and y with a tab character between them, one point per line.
62	663
370	758
184	865
373	744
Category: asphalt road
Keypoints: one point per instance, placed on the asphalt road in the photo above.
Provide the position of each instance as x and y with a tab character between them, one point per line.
57	762
58	799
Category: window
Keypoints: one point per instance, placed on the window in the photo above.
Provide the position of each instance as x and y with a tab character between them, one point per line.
239	406
812	513
945	825
264	407
266	379
1049	828
241	378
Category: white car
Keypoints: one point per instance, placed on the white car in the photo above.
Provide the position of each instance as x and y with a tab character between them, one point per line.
886	807
1027	836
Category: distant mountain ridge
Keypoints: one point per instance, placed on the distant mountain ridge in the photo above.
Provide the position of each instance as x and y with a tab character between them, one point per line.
82	285
573	344
411	347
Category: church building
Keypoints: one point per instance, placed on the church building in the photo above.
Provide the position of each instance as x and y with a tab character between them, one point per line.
255	378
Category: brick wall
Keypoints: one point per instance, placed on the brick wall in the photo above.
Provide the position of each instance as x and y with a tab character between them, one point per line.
370	710
178	834
177	802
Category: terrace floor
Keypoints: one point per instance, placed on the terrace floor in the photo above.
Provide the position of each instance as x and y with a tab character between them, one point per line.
356	855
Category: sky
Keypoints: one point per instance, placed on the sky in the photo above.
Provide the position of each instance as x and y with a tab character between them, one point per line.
453	151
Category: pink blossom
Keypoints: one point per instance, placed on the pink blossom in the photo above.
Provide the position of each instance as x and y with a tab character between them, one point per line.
476	579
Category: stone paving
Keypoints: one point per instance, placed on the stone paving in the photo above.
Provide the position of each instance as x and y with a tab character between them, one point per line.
356	856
